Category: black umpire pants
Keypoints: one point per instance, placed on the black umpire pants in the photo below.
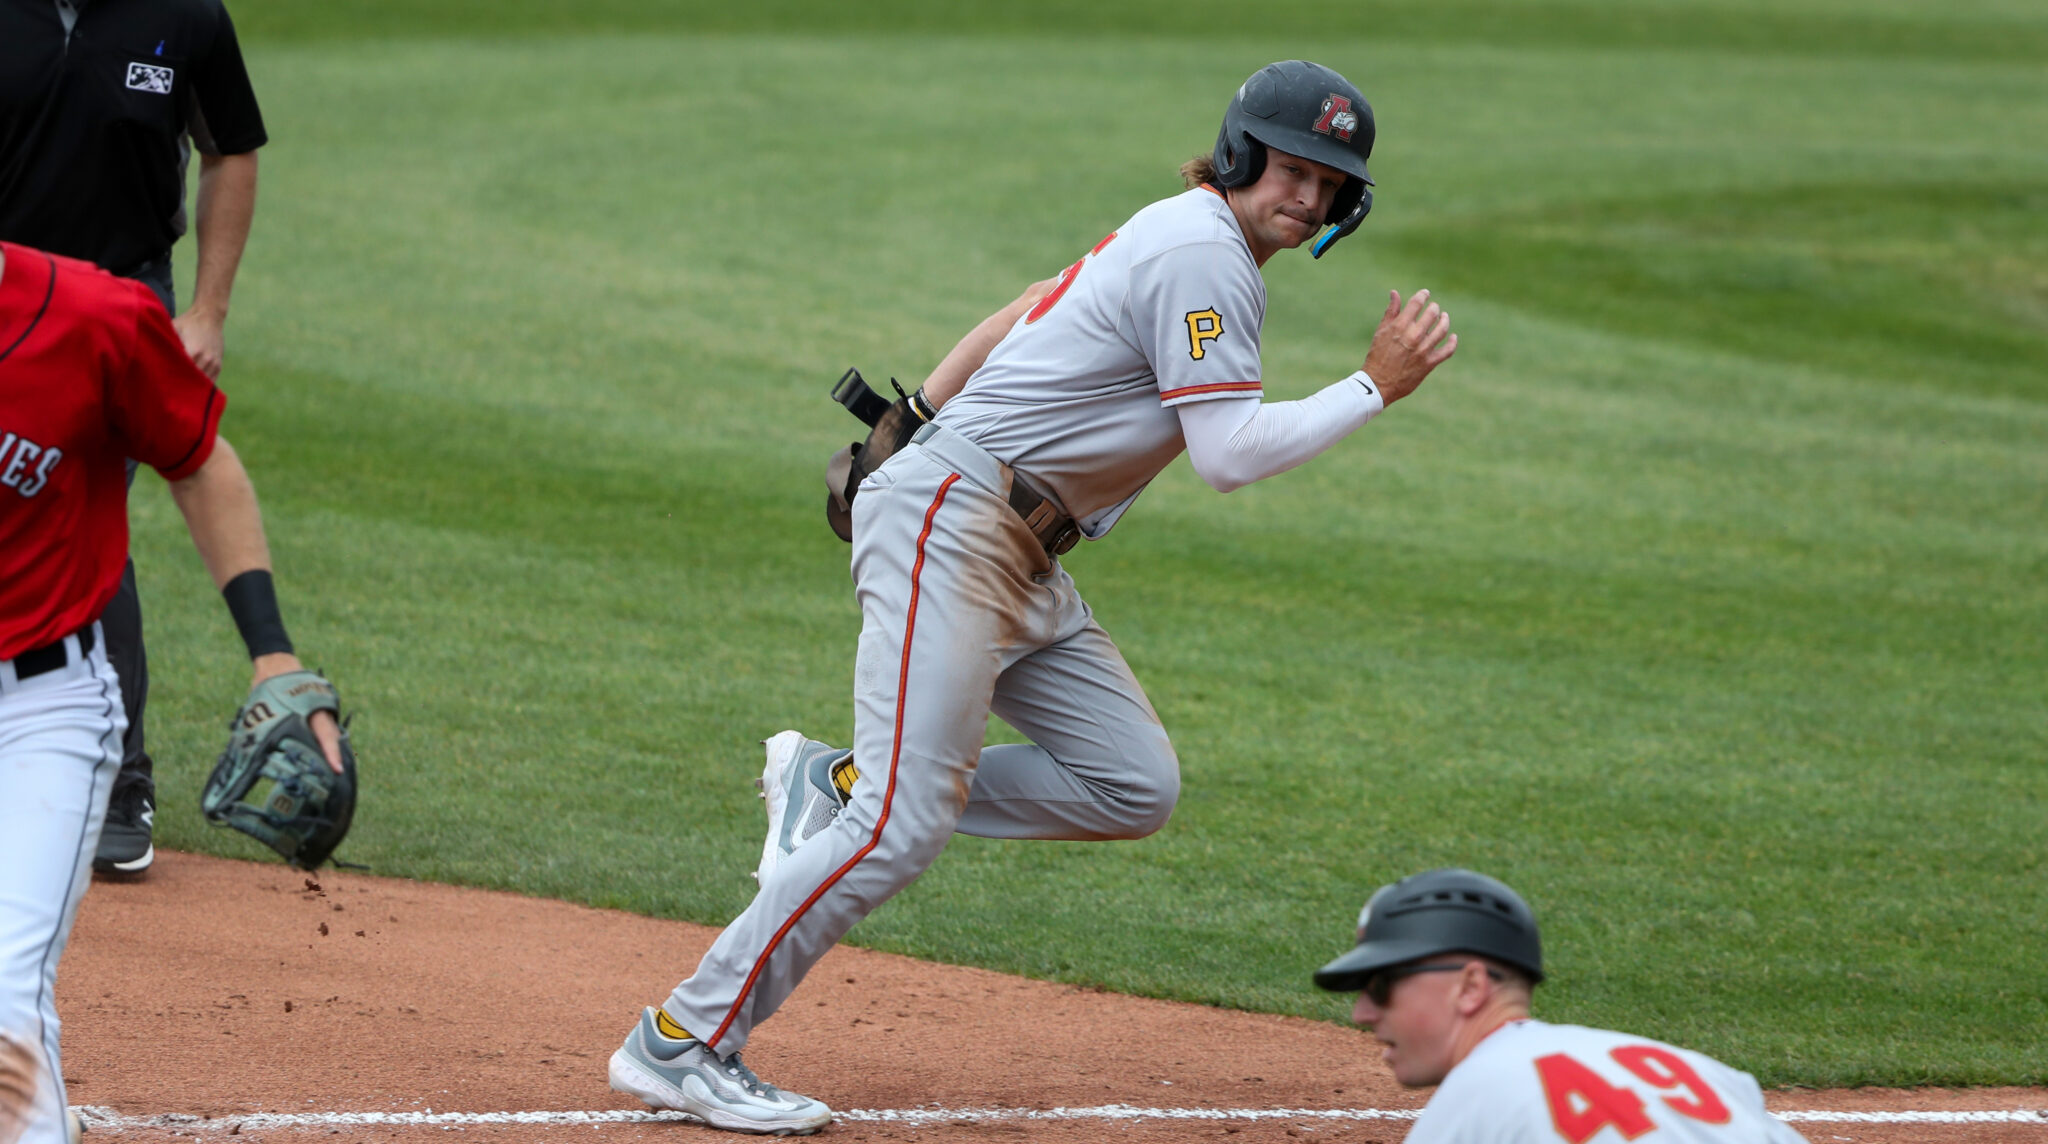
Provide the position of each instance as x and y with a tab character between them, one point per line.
121	623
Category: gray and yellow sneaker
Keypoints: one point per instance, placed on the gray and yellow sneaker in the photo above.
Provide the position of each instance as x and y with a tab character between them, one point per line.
806	784
685	1076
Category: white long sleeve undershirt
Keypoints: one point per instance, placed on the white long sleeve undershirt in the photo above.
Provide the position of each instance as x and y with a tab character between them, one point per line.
1234	441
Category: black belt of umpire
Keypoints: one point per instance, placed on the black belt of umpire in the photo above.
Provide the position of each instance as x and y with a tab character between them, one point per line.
1053	528
51	656
156	266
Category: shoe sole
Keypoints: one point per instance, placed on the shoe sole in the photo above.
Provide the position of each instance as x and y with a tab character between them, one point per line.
628	1077
781	750
132	866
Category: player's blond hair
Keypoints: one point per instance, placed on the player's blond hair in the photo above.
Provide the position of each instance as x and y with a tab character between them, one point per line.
1198	170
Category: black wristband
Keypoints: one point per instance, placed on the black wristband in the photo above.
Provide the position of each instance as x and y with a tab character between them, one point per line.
922	405
252	600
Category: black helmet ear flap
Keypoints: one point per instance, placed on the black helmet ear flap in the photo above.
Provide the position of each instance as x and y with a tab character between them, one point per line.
1345	225
1239	159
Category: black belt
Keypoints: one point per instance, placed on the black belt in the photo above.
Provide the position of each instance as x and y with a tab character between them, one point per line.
158	266
51	656
1053	528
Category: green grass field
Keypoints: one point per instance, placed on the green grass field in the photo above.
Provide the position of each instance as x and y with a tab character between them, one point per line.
1703	597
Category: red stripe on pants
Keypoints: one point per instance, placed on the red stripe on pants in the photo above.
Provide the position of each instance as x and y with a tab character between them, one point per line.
888	794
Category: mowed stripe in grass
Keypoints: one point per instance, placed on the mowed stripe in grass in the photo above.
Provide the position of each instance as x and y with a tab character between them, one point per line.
1969	29
1724	646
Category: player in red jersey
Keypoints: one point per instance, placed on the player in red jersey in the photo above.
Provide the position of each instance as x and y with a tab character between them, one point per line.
91	372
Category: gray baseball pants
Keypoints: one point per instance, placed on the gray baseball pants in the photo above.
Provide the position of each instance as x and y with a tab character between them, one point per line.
962	613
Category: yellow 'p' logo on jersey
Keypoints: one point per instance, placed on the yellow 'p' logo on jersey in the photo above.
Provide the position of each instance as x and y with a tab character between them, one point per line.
1203	326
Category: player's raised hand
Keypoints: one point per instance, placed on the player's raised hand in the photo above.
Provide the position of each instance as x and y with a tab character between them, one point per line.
1411	341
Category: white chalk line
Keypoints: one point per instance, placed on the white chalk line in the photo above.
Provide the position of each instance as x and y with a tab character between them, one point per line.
101	1119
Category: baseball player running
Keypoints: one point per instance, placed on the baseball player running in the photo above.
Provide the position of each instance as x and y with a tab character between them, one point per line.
91	372
1147	345
1444	967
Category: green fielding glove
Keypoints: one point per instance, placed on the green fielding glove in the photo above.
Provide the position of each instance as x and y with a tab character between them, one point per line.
304	809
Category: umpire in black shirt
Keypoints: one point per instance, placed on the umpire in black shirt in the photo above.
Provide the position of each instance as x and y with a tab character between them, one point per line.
101	104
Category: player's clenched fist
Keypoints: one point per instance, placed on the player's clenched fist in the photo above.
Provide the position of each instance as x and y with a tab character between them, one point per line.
1412	340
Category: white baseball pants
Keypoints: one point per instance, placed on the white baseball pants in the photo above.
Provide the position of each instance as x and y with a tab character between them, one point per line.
60	746
962	613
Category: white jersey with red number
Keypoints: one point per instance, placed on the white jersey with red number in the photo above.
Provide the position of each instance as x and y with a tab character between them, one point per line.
1536	1083
1080	395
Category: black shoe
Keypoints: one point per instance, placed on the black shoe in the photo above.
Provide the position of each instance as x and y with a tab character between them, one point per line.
125	846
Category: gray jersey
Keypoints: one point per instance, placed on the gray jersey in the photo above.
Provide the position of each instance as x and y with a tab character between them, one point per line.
1079	397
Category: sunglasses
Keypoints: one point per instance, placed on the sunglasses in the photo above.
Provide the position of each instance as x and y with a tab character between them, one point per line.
1380	986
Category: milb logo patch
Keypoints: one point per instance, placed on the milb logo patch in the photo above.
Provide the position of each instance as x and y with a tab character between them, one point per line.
150	78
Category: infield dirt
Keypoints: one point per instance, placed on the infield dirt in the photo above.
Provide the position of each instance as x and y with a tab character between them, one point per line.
218	989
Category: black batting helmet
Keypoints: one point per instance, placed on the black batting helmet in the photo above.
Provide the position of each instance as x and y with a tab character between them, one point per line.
1303	109
1439	911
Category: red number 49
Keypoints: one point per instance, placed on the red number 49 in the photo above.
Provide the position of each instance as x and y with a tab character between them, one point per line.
1581	1103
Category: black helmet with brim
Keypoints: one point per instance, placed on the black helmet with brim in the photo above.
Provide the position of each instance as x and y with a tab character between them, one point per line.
1439	911
1304	109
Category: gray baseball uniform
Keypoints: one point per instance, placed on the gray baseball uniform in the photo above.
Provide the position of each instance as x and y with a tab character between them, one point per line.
964	613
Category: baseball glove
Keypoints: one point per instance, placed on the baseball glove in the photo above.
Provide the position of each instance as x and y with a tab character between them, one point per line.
891	424
303	811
